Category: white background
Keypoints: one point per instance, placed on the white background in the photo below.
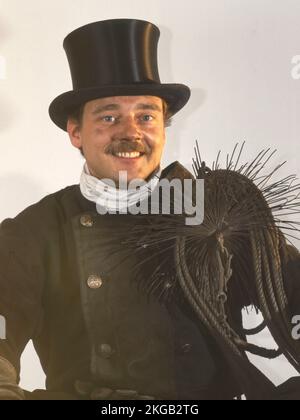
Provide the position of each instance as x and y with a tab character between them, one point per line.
236	55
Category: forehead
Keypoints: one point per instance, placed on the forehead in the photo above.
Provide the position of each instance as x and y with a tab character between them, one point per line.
125	102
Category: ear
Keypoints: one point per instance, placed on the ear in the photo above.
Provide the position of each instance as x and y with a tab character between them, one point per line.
73	129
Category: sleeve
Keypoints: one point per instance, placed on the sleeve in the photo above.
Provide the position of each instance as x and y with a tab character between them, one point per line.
20	289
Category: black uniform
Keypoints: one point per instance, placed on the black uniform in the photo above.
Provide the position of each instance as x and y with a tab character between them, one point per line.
60	287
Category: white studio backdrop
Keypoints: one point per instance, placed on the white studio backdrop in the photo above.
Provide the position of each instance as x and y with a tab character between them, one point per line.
240	58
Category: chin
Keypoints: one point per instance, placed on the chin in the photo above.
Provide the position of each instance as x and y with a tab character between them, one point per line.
136	176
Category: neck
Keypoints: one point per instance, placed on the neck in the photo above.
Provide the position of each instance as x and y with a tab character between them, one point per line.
108	197
152	174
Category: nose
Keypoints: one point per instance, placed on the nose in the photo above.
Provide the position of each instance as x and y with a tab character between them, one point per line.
129	129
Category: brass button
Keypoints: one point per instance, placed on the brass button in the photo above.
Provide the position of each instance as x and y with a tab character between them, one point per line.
86	220
167	285
94	282
186	348
105	350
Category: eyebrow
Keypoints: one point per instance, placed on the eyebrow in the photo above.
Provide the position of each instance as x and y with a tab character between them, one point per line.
113	107
153	107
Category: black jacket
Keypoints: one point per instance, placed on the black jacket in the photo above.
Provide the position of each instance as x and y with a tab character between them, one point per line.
111	334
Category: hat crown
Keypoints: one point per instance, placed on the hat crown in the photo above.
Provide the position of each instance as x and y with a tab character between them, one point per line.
115	57
113	52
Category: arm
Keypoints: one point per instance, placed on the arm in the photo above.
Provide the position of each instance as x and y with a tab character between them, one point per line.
9	390
20	301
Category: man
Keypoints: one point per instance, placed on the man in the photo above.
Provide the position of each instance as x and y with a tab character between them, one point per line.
97	334
116	116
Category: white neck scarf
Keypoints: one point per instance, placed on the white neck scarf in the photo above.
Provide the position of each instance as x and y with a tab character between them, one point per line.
113	199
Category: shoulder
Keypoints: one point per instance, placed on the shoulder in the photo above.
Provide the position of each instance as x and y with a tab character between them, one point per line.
176	171
50	211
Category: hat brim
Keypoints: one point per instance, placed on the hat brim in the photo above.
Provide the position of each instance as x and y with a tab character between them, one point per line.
176	96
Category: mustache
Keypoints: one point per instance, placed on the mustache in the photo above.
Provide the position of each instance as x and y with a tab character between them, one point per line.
127	147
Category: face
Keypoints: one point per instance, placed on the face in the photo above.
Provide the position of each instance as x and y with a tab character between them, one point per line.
122	133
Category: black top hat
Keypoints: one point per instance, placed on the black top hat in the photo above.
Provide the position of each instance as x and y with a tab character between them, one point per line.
114	58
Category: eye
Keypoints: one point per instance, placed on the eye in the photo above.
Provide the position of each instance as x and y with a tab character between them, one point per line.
109	118
147	118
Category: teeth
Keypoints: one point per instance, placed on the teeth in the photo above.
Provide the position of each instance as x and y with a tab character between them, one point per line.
129	155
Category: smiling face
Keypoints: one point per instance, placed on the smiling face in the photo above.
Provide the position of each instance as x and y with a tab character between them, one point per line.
122	133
